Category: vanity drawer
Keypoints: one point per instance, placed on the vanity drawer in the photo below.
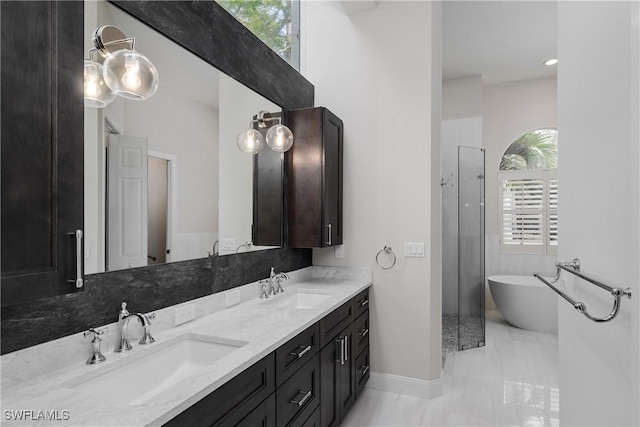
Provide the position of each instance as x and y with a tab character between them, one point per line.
238	396
362	371
299	396
313	420
333	323
264	415
296	352
361	336
361	302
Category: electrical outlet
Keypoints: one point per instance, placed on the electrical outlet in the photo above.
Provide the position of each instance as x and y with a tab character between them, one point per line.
339	251
185	314
228	244
232	298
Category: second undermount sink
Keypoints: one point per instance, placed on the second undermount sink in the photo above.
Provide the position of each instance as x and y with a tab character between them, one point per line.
299	299
139	378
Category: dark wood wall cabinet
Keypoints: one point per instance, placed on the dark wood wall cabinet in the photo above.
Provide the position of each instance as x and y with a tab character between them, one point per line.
310	381
42	148
314	178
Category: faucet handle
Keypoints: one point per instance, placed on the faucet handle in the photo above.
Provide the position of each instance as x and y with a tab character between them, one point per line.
123	311
96	332
264	286
96	356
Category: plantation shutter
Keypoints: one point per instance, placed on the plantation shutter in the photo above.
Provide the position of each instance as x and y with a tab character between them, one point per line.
523	209
552	211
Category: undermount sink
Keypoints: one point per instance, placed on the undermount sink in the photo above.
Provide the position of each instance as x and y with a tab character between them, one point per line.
299	299
142	377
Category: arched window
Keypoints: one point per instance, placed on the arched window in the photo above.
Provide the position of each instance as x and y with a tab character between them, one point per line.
528	184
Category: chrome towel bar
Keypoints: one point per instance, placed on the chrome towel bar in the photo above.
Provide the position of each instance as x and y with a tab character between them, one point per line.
573	267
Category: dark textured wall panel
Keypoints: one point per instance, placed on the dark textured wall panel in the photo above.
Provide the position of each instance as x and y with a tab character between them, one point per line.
145	289
206	29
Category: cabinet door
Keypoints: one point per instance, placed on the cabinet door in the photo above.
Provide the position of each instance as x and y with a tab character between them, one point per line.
332	188
337	378
42	147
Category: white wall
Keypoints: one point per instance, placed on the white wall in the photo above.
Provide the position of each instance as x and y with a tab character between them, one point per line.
462	98
599	213
375	70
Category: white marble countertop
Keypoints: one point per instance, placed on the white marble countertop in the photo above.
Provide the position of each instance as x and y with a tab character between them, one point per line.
263	326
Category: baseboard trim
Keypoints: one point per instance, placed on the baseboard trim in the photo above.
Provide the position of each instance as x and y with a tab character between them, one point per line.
426	389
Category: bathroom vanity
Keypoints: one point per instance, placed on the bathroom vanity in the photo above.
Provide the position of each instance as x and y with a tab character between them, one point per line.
300	358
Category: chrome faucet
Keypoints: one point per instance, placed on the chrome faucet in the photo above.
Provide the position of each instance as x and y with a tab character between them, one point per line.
264	284
276	282
123	320
97	356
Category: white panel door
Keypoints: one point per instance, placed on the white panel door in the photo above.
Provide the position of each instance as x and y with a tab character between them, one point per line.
127	202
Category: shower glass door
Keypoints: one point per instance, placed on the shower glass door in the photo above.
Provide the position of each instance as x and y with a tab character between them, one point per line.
471	326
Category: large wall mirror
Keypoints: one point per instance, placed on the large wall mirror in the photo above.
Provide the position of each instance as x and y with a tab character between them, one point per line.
164	179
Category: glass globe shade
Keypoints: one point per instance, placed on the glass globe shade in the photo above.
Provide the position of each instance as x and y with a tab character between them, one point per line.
250	141
130	74
96	92
279	138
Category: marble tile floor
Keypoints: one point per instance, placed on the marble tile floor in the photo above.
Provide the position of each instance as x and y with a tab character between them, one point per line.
511	381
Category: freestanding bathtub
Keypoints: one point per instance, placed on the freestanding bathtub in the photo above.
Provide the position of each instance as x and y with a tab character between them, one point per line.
525	302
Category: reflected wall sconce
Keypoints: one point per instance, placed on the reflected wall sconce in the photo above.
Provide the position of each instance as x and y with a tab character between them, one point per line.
279	137
125	71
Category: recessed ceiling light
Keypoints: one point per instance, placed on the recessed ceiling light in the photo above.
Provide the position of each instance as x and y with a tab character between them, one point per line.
552	61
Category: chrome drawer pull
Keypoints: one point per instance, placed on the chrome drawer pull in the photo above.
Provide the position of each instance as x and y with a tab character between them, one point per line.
364	302
363	332
304	351
307	395
79	282
346	347
364	369
329	234
341	360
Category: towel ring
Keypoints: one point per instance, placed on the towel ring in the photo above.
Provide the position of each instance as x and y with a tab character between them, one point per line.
387	250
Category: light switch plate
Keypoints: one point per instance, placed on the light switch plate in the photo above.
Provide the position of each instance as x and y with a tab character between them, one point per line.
232	298
414	250
339	251
185	313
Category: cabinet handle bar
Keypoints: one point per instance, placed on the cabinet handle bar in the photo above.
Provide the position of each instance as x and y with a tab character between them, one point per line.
304	351
303	400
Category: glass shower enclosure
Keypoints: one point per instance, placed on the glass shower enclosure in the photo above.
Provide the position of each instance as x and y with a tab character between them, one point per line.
471	225
463	281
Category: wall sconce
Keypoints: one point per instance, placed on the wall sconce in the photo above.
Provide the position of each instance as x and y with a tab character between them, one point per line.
279	137
125	71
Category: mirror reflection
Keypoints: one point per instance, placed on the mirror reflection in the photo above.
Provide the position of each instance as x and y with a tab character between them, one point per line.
164	179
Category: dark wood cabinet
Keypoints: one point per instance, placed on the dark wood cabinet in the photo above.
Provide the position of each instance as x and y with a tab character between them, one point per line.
314	178
235	400
268	224
299	396
42	147
296	352
310	381
337	368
